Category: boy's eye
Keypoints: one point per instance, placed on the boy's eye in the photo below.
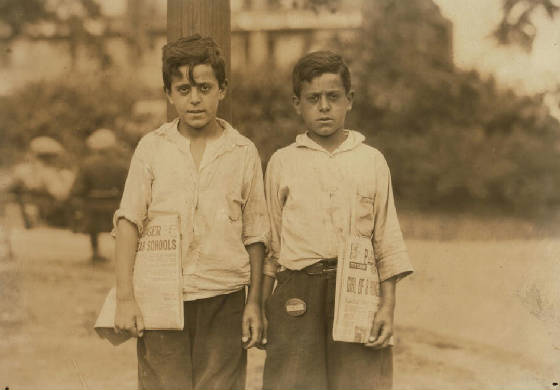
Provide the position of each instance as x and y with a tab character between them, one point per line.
184	88
333	96
313	98
205	87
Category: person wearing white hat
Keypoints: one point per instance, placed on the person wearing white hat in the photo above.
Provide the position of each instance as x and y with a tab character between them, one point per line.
45	146
101	139
42	182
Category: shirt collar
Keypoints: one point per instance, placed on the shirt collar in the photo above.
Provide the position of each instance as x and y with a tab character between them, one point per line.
353	140
229	139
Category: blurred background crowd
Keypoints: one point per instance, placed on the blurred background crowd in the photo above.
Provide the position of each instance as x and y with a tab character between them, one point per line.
456	139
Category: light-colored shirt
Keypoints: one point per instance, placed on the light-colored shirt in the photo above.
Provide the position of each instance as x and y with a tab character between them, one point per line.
310	193
36	176
221	205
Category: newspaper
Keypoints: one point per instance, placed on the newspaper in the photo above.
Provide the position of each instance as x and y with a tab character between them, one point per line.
157	281
357	295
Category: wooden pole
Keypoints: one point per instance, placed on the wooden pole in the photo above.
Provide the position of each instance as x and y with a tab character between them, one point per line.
207	18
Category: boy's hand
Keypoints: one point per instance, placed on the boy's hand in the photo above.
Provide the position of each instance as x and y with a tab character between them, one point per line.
267	288
128	318
382	329
262	344
252	325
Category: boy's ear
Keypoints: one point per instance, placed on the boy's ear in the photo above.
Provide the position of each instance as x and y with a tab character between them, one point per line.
222	90
295	102
350	98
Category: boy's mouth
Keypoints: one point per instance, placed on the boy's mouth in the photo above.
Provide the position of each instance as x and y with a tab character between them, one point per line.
195	111
325	119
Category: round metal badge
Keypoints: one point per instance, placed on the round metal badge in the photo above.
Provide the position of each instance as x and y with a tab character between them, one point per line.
295	307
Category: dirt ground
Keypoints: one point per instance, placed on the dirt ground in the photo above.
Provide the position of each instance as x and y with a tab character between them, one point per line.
476	314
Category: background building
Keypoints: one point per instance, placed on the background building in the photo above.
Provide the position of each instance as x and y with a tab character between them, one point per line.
265	33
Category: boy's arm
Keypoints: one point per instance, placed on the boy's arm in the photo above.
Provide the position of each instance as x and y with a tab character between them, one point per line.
128	224
252	326
382	328
128	316
255	237
267	288
274	204
390	255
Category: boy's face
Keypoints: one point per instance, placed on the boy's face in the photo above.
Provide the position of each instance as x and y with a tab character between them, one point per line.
197	103
323	104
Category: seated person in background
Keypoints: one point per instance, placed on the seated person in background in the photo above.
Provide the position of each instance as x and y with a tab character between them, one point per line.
98	187
42	183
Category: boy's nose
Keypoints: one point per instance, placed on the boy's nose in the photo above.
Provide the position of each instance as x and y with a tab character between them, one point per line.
195	96
324	104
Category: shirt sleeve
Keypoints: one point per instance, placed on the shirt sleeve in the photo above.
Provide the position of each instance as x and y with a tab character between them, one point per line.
255	219
390	251
137	189
274	205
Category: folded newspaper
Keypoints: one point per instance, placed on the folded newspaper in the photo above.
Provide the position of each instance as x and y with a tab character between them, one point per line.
357	295
157	281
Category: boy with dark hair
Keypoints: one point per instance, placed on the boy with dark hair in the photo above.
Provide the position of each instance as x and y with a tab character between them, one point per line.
311	186
202	169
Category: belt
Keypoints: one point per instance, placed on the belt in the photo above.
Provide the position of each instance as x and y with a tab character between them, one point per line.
321	267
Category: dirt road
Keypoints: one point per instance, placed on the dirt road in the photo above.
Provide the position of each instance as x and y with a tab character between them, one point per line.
475	315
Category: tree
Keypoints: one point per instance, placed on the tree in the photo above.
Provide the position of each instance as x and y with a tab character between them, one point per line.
516	25
79	20
16	15
453	139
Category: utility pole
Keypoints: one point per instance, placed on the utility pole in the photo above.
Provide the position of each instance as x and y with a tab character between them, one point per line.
208	18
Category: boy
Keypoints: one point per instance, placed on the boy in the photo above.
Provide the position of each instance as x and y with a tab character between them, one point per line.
201	168
310	187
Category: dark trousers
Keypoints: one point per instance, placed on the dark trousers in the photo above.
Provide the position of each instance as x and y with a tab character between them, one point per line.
207	354
301	353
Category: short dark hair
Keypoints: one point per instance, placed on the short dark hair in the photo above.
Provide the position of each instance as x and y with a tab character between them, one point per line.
317	63
193	50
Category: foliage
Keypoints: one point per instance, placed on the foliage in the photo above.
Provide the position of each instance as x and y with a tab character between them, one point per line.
22	14
453	140
67	110
18	14
516	25
79	20
262	113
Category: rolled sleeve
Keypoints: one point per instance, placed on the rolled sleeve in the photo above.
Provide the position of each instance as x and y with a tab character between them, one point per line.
270	267
396	264
255	219
120	213
274	207
390	251
137	190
